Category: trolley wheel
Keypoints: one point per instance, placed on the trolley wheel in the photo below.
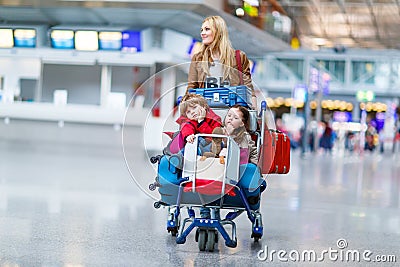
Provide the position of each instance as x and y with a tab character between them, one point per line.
155	159
216	236
210	241
257	231
202	239
173	222
173	230
152	187
196	236
157	204
256	238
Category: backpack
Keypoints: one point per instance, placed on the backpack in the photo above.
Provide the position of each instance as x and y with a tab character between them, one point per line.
175	145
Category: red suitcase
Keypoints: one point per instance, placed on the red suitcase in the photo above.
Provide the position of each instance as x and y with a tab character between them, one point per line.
275	152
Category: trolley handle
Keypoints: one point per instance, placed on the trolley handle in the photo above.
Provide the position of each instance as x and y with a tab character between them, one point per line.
262	116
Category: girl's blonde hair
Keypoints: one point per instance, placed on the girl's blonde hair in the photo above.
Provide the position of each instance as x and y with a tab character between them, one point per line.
190	100
221	43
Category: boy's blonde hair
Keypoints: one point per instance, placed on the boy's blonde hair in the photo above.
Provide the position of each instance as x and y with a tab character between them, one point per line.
190	100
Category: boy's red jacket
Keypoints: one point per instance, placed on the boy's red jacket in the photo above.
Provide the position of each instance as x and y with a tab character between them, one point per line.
189	127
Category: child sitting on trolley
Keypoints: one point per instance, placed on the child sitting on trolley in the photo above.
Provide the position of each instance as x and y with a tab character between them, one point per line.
236	124
196	117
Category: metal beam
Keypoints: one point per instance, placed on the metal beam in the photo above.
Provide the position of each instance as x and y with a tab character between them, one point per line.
370	5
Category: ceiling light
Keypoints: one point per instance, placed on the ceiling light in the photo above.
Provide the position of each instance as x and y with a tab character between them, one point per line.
276	14
252	2
319	41
239	12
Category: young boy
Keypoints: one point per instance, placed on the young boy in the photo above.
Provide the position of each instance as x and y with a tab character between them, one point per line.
196	117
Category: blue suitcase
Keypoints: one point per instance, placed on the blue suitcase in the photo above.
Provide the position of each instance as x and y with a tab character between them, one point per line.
225	96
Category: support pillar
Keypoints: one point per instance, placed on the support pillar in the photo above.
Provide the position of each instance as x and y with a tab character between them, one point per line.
105	85
168	88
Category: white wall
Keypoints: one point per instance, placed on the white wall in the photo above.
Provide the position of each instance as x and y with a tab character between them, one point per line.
176	43
81	82
12	69
215	4
125	79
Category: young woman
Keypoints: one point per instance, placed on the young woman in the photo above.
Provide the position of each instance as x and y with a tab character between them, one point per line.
215	65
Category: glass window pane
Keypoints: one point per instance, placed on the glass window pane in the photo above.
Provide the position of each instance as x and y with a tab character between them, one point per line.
295	65
335	68
363	72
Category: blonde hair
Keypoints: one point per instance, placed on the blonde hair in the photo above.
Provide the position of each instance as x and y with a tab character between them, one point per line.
221	43
190	100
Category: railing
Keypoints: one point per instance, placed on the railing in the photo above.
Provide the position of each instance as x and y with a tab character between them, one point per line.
347	73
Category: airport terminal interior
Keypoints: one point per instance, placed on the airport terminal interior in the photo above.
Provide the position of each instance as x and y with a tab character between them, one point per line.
88	87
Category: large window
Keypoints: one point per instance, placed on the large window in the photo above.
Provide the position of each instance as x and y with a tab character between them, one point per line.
335	68
396	74
295	65
363	72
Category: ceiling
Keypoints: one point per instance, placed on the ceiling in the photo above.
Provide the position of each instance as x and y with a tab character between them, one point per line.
182	17
349	23
319	23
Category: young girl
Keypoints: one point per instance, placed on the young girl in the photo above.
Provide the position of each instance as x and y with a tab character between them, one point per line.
235	125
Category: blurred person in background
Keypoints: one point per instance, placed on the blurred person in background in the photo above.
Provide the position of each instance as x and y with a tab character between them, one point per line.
326	140
371	137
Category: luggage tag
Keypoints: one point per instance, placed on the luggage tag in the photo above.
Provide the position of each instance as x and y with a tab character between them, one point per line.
216	97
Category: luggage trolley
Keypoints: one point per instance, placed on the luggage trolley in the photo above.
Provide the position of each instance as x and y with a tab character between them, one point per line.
193	183
211	181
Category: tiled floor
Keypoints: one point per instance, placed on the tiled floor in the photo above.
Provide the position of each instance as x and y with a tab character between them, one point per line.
68	198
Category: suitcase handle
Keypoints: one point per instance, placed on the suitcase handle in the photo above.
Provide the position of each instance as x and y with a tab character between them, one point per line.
275	130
